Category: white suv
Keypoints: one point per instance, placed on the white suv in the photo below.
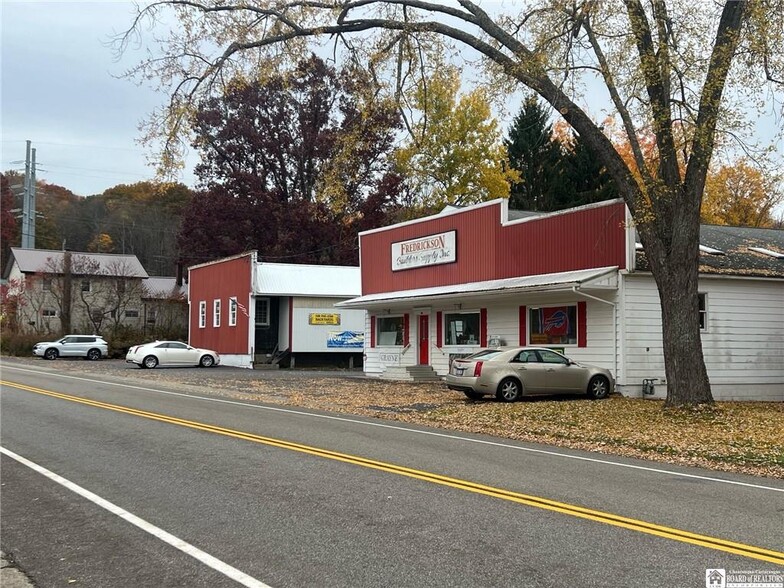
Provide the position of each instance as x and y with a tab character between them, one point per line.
88	346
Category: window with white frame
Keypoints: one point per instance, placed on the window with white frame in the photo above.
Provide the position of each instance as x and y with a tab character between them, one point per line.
47	284
553	325
48	313
262	312
202	314
216	312
703	311
86	286
131	313
461	328
232	312
389	330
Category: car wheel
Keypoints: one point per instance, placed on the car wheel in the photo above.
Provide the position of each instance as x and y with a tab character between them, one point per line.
598	388
473	395
207	361
51	354
509	390
150	362
94	354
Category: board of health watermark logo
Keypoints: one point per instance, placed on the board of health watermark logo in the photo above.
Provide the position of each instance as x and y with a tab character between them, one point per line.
720	578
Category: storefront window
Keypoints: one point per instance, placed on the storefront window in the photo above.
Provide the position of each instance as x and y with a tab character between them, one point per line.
462	328
554	325
390	330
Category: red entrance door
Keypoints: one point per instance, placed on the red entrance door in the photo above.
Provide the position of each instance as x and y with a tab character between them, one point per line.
424	339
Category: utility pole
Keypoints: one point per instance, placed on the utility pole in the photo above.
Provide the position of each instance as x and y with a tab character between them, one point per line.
28	200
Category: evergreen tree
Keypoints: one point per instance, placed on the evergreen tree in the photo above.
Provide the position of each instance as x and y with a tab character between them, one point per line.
536	156
584	180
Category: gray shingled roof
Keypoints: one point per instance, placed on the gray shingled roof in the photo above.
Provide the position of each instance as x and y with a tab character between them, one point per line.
162	287
737	259
39	260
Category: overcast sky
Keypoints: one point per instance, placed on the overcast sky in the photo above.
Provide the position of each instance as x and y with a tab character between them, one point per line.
58	91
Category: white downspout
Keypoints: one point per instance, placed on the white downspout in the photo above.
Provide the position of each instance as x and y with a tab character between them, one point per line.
577	291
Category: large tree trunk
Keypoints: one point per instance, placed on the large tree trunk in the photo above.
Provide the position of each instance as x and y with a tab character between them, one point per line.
671	239
687	376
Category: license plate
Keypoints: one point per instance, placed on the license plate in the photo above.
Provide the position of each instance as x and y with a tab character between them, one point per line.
458	371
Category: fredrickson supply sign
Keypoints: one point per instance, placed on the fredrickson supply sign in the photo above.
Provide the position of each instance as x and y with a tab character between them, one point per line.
430	250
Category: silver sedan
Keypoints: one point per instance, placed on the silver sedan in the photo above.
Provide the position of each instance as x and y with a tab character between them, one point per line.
509	374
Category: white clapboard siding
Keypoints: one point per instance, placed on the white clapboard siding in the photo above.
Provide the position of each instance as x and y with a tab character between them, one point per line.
503	321
743	343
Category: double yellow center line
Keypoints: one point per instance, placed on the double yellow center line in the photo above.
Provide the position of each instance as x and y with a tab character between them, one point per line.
751	551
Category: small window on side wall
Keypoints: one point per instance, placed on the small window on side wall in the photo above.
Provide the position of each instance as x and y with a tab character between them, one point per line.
461	328
202	314
232	312
216	312
262	312
703	311
389	330
553	325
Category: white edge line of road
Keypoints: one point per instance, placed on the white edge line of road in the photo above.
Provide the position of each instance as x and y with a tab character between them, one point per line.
410	430
164	536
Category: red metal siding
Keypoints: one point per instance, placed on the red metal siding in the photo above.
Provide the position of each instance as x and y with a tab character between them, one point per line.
581	239
221	280
582	322
523	325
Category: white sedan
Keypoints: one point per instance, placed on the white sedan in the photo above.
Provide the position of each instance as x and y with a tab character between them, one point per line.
170	353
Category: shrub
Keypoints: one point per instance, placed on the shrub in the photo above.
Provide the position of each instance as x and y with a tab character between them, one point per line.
19	344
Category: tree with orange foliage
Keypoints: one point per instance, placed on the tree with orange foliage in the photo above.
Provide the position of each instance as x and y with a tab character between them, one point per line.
741	195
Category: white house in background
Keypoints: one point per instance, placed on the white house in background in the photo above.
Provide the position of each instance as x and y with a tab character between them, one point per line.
255	313
576	280
98	290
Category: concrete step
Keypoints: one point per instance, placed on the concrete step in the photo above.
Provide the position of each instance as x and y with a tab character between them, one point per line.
417	373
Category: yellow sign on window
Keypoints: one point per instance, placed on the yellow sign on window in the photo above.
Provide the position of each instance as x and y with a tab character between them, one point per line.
323	318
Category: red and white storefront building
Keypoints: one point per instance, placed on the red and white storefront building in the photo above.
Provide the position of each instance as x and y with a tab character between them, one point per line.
447	285
255	313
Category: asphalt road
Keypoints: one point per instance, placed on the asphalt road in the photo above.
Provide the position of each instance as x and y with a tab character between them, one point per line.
210	492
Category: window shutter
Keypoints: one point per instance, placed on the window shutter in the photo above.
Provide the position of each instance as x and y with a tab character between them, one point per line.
582	334
523	325
372	331
405	330
439	329
483	327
